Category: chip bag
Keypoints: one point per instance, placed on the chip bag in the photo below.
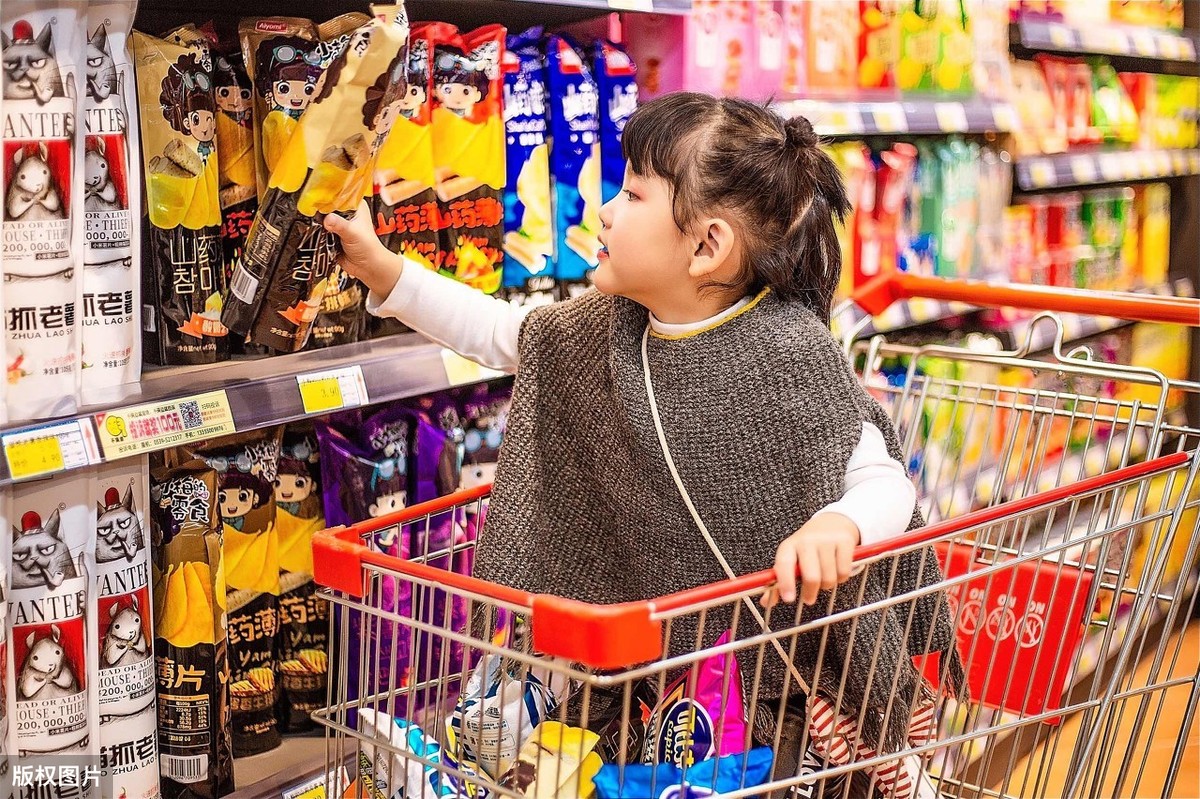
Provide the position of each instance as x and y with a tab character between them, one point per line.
184	281
558	761
391	776
325	168
468	152
715	776
616	84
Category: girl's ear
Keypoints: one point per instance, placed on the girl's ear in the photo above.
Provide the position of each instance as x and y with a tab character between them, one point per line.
713	249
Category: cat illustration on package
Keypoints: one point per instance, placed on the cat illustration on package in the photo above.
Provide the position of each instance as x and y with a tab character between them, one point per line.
30	68
119	534
39	554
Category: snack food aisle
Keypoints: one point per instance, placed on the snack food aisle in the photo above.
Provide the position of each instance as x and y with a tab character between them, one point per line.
195	388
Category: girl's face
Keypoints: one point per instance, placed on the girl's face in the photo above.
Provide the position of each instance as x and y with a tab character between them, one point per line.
387	503
643	253
411	102
458	97
292	95
293	487
233	100
387	117
202	125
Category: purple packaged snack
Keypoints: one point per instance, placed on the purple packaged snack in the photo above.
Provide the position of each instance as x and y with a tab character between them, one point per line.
700	716
616	82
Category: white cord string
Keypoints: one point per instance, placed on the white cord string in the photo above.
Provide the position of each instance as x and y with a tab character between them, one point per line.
687	500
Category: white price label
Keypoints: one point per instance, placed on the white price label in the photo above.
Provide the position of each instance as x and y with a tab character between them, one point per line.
1110	167
1187	50
951	117
1083	169
1143	43
332	390
1162	164
1004	116
842	119
631	5
1131	165
1061	36
1194	161
1179	163
1169	46
890	118
1041	174
50	448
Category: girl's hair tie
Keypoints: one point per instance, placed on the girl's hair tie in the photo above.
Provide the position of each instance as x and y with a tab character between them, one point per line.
798	132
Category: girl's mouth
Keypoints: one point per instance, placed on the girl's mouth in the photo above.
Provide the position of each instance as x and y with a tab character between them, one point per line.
297	103
602	253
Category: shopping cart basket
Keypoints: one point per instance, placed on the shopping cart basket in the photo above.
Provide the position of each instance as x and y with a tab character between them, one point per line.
504	693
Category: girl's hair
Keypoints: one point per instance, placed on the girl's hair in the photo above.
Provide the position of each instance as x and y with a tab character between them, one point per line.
782	192
452	65
187	87
274	67
390	85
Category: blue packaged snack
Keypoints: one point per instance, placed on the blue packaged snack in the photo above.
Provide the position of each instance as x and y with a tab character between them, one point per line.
616	80
528	218
574	164
667	781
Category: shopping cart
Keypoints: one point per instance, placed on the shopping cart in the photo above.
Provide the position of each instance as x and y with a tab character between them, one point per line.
1056	594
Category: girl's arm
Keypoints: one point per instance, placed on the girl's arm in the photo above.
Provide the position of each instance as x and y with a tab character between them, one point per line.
476	326
878	497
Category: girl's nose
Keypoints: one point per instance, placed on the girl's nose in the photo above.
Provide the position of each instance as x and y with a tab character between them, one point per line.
606	213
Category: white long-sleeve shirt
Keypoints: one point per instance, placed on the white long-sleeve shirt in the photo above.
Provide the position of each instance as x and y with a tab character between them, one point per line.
877	496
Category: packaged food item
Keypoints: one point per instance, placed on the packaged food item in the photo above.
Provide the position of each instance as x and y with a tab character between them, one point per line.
893	178
1125	211
7	675
528	217
1070	82
1140	88
659	44
247	466
484	421
325	168
1154	208
866	238
711	777
995	191
989	29
764	76
111	339
499	709
43	203
574	164
853	162
615	81
194	732
183	283
281	62
51	618
558	761
125	629
878	43
384	775
302	644
1113	112
468	152
795	39
953	71
832	53
1043	128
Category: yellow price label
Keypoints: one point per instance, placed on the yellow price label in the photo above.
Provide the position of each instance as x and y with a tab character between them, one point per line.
1041	173
631	5
32	457
323	394
890	118
461	372
842	119
1083	169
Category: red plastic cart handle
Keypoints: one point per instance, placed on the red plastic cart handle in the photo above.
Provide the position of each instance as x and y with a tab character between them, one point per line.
621	636
876	296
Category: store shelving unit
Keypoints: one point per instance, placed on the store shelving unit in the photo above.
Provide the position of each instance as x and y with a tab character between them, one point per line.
1046	35
911	116
1063	170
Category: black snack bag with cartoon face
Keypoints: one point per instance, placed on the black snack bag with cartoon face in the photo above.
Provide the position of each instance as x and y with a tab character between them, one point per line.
246	467
184	283
303	640
190	644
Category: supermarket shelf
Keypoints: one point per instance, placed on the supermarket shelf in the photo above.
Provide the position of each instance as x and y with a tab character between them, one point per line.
1094	168
271	774
918	116
1034	33
901	315
178	405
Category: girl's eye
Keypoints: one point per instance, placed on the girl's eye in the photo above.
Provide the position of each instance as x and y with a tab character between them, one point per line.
283	88
630	195
309	89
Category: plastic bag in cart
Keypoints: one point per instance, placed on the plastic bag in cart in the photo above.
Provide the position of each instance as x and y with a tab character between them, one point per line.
383	775
668	781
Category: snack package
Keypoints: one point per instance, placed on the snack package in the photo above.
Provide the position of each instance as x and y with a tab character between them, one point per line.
246	467
574	164
283	67
989	29
43	203
194	733
795	38
7	675
832	52
659	44
558	761
1112	110
484	421
878	43
468	152
125	629
615	76
183	283
325	168
711	777
764	79
1042	129
111	336
342	318
390	776
498	711
51	613
528	215
303	640
701	715
1154	209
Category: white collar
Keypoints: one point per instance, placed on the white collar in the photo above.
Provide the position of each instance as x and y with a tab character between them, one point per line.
666	329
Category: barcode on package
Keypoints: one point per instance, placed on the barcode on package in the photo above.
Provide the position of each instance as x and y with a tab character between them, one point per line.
184	769
190	411
244	285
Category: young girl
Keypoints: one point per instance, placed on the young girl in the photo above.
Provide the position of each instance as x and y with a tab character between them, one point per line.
706	338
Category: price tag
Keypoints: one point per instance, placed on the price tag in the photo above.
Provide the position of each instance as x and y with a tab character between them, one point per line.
1143	43
631	5
1083	169
1042	174
1061	36
951	117
461	372
1179	163
842	119
1169	47
1096	39
1194	161
158	425
1162	164
890	118
332	390
1110	166
1130	165
49	449
1004	116
1187	50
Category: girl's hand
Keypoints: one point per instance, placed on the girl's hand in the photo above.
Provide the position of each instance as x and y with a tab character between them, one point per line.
823	549
363	254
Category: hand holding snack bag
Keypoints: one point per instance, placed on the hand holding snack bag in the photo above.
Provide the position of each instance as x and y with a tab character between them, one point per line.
324	169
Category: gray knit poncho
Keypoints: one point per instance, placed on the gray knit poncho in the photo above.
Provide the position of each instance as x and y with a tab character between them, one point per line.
761	413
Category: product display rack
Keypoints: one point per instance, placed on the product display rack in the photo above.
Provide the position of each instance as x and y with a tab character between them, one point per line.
909	115
1063	170
1046	35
